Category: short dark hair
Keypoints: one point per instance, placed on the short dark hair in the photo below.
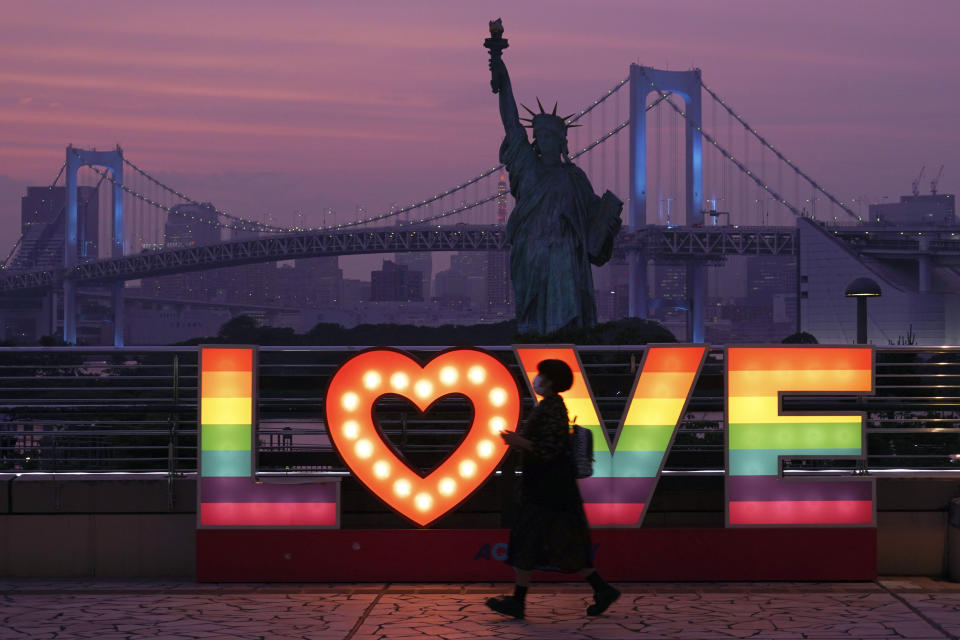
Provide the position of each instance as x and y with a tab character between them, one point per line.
558	373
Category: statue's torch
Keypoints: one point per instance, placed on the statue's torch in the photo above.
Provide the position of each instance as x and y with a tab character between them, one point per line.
496	43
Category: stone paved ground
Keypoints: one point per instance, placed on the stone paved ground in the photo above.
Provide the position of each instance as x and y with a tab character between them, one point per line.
895	608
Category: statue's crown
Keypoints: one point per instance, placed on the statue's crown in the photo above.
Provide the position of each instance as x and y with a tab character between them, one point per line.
548	121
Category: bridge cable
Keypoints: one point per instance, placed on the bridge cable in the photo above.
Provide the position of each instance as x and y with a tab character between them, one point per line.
454	211
777	152
620	127
394	212
13	250
714	142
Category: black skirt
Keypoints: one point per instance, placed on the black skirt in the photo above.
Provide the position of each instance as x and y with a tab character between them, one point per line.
551	531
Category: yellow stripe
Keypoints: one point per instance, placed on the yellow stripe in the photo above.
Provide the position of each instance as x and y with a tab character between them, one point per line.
225	410
582	409
654	411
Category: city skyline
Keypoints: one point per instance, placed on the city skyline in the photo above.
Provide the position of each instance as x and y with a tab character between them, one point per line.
277	127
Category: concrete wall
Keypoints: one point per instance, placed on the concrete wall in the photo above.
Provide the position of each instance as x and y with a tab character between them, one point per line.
129	527
85	527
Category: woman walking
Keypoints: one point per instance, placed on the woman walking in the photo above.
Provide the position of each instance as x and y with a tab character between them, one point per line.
551	531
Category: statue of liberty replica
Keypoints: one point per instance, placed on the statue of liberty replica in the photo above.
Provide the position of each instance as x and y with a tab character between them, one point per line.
559	226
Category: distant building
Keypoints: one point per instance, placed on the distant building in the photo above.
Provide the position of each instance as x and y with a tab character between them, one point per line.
312	283
929	307
503	189
768	276
421	261
188	225
498	285
395	283
191	225
43	222
936	209
612	286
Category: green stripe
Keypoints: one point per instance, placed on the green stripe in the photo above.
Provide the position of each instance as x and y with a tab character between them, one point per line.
763	462
599	438
225	437
645	438
796	435
626	464
225	464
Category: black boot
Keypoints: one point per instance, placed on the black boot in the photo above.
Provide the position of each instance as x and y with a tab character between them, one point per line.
507	605
604	594
603	599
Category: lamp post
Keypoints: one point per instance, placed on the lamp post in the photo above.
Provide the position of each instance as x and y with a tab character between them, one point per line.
861	289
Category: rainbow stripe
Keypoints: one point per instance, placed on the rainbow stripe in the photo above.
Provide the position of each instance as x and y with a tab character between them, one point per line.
757	435
626	474
228	495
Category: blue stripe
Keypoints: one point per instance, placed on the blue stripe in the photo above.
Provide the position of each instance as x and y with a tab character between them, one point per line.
626	464
225	464
763	462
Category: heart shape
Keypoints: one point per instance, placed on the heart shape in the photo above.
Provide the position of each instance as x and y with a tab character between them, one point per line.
358	383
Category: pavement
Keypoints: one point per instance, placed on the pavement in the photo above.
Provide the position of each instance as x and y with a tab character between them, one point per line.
898	607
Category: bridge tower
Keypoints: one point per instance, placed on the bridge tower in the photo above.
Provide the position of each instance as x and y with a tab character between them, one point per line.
686	84
113	162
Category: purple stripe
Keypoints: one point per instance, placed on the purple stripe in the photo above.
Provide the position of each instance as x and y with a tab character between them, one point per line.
246	490
616	489
766	488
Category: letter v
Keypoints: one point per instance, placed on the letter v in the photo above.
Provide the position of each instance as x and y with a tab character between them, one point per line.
626	473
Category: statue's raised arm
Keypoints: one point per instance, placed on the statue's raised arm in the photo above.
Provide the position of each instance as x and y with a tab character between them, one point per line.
499	79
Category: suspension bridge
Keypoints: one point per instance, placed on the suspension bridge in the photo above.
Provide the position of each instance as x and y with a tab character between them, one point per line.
699	182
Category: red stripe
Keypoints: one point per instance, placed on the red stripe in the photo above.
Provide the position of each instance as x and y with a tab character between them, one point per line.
226	359
787	512
224	514
601	513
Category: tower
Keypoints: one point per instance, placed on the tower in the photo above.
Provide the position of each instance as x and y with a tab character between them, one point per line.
686	84
113	162
499	294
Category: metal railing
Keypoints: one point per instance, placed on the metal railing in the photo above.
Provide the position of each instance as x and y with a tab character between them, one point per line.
130	409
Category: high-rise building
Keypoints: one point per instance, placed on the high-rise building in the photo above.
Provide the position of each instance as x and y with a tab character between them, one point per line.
313	283
935	209
768	276
189	225
395	283
499	288
419	261
502	190
43	223
612	286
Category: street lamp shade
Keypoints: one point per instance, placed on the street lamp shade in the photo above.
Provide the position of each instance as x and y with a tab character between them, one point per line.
862	288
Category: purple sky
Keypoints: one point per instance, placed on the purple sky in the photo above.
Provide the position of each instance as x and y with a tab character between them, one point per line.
309	104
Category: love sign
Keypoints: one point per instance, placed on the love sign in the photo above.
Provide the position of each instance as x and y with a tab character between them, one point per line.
371	375
627	466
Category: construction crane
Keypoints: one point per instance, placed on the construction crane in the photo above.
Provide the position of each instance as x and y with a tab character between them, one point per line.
935	181
916	183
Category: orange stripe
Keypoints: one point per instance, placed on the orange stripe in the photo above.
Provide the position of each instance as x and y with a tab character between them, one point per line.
215	359
753	382
226	384
673	359
663	385
780	358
